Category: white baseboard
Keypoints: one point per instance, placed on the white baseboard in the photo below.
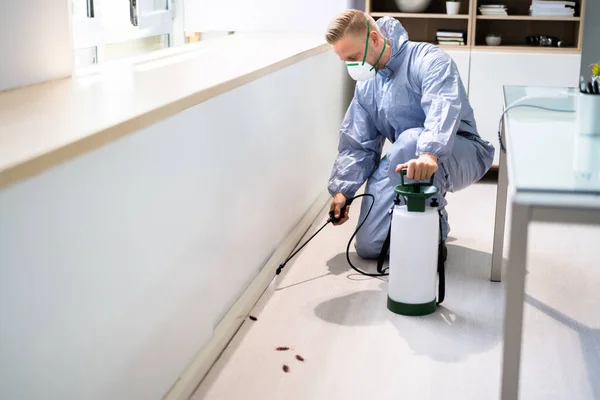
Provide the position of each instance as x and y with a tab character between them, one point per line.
231	322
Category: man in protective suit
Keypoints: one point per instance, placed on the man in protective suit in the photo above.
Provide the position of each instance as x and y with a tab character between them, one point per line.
411	94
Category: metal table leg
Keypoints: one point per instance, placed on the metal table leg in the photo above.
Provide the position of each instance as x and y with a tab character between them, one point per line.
515	295
496	274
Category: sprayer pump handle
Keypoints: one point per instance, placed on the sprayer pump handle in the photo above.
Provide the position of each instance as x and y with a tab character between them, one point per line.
403	174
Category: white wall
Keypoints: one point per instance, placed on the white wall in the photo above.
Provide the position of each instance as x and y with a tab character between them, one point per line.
116	266
35	42
263	15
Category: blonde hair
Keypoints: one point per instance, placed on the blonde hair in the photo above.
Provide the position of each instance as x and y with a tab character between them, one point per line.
348	22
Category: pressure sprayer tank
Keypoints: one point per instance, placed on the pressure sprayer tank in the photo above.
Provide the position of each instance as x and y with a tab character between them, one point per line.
414	240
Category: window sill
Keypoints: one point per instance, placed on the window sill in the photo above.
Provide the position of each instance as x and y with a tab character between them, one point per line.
46	124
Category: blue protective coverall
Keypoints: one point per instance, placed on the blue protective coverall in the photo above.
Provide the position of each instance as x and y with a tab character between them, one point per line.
419	103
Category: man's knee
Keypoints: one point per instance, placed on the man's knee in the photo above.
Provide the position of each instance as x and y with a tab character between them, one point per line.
370	237
405	147
470	160
403	150
368	250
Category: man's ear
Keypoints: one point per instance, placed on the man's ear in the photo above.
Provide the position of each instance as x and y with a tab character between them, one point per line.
375	37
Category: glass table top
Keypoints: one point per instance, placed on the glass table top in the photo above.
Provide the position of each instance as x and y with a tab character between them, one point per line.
545	151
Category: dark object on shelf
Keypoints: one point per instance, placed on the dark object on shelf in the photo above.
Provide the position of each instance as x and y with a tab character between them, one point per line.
544	41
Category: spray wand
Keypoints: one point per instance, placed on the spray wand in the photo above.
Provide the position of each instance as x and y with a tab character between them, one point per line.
333	219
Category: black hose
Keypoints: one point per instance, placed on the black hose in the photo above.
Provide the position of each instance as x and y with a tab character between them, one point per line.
441	266
354	235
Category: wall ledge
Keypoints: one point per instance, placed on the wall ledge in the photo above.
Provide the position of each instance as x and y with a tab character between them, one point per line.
47	124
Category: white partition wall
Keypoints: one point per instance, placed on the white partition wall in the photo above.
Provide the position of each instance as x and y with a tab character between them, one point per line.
116	266
490	71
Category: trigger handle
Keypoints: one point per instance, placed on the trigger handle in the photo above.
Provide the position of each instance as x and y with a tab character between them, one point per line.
332	217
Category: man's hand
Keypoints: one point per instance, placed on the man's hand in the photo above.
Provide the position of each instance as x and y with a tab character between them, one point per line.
339	201
421	168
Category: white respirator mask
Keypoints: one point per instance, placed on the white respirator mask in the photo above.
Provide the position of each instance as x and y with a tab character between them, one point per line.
362	71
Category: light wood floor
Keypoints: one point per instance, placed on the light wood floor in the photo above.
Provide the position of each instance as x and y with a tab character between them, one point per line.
354	348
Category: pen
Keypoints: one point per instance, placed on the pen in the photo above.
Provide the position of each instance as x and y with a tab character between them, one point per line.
596	87
590	88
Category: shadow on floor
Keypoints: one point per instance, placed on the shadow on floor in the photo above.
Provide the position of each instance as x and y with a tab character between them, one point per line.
468	262
468	322
338	265
302	282
589	340
362	308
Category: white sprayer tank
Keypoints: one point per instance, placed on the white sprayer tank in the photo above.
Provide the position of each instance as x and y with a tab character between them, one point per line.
414	244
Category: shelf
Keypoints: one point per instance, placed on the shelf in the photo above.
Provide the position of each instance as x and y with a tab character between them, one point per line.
452	47
527	18
419	15
527	49
464	47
